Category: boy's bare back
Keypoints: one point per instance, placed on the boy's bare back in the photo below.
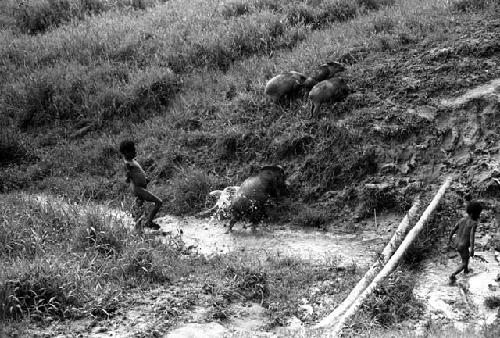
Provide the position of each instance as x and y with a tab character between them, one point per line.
465	227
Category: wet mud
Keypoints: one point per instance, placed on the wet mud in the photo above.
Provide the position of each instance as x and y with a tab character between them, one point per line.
460	304
209	237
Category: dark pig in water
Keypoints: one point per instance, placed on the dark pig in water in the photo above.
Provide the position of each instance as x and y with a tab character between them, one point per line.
255	193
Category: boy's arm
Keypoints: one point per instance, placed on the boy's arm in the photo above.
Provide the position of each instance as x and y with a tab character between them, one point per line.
472	239
453	232
127	173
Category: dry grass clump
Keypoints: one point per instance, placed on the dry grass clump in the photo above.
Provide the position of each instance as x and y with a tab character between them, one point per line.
311	218
492	302
54	255
443	220
471	5
12	150
38	16
188	190
71	92
279	284
323	14
39	290
340	158
232	9
391	303
99	234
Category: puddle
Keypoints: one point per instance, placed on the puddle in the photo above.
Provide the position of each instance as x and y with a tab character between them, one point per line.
461	304
210	237
197	330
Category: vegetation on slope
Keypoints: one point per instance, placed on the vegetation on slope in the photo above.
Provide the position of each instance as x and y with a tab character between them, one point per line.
63	261
186	82
198	93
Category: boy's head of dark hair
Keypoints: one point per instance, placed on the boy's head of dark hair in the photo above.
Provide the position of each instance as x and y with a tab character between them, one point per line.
474	209
127	149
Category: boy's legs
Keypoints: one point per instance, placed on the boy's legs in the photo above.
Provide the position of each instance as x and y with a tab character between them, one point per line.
145	195
464	254
137	213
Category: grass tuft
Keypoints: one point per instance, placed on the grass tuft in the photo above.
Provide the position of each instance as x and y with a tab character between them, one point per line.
391	303
36	16
11	148
311	218
100	235
39	16
492	302
188	190
41	291
471	5
233	9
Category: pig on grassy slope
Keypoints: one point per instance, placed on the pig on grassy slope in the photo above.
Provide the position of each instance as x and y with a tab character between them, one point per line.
323	72
331	90
285	86
255	193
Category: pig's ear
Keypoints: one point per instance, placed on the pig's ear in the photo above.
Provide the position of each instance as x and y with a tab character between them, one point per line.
215	193
272	168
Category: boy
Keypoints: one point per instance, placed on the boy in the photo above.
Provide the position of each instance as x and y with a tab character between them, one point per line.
136	177
466	232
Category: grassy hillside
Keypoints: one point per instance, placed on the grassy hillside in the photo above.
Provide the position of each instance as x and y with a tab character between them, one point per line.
156	75
185	80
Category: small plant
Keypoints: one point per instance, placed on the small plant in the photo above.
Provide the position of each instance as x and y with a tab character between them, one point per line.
492	302
34	16
311	218
394	302
248	282
235	9
383	24
188	190
374	4
11	149
92	6
38	293
470	5
150	91
98	233
218	310
338	11
141	263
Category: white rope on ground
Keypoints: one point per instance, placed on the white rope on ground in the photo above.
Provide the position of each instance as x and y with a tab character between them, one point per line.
389	249
391	265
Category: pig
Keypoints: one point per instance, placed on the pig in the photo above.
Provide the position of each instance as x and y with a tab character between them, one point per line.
255	193
331	90
284	85
323	72
221	209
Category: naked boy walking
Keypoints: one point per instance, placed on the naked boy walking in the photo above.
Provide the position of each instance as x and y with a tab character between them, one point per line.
136	178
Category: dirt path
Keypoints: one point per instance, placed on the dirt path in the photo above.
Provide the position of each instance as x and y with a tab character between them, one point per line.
211	237
142	314
461	305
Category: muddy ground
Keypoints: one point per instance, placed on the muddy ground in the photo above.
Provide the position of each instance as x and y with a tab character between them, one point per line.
441	118
468	129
